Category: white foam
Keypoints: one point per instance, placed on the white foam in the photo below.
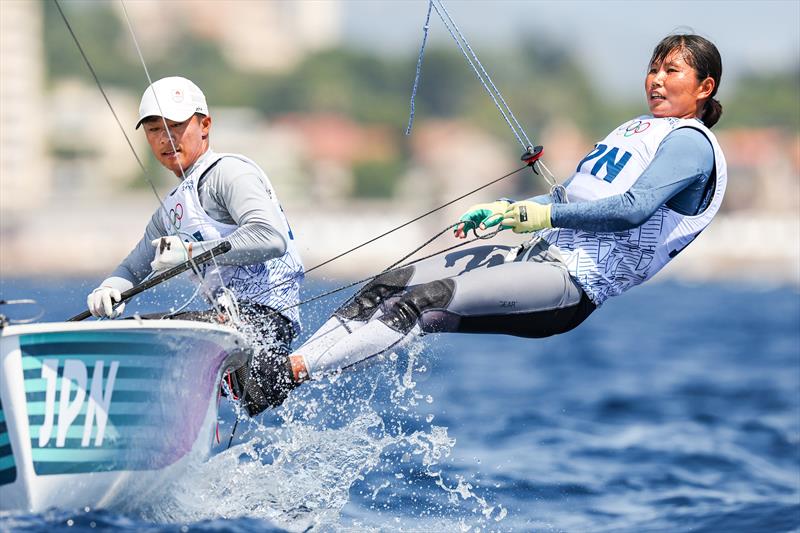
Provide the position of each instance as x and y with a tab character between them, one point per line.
300	473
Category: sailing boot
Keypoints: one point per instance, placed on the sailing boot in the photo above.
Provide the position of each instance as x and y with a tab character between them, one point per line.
264	383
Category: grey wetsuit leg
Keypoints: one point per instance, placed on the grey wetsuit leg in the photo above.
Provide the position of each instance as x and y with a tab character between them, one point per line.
458	263
471	291
533	296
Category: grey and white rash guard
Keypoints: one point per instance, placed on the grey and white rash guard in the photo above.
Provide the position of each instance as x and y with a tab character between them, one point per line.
232	192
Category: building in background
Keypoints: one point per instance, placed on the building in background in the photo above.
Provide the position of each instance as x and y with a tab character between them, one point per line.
260	36
25	178
90	157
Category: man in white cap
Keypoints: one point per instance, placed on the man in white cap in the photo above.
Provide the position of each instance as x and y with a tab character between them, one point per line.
220	197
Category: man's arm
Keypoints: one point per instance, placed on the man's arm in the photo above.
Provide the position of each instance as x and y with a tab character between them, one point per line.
234	193
136	266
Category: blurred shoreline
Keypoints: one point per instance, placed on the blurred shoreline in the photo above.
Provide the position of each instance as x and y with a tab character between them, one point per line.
91	238
287	86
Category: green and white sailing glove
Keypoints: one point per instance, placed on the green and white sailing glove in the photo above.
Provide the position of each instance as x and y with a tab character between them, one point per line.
170	252
527	216
482	216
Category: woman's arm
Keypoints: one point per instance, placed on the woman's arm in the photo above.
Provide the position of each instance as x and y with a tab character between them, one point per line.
678	174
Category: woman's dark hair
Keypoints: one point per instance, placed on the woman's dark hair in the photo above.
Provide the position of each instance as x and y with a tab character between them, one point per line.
704	58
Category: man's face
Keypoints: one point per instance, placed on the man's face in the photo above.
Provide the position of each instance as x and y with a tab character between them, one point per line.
189	140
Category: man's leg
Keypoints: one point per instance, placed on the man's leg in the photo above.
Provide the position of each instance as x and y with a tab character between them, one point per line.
267	378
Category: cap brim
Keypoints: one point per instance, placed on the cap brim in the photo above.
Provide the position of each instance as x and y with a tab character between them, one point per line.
172	118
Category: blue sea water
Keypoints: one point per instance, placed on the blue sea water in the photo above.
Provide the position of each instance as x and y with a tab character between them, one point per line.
675	407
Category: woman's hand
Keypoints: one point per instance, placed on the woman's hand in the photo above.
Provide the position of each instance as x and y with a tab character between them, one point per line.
526	216
482	216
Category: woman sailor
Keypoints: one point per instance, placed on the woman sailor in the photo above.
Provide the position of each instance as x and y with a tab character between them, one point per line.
637	199
221	196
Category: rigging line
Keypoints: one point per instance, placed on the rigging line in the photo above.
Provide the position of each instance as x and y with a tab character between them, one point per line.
102	91
458	36
401	226
233	432
486	74
447	22
415	219
547	174
111	108
480	77
394	266
398	264
419	67
196	269
150	83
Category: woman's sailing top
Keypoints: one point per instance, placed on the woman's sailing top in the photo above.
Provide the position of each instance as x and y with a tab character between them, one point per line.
606	264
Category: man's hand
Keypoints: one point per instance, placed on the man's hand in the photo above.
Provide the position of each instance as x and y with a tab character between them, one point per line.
170	252
482	216
101	300
526	216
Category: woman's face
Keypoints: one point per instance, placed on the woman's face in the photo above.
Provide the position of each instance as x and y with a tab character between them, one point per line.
672	88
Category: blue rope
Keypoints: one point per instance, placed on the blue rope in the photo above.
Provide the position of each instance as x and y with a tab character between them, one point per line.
419	67
494	91
557	191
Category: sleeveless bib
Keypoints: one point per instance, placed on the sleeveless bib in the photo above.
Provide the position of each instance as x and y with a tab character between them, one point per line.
606	264
263	283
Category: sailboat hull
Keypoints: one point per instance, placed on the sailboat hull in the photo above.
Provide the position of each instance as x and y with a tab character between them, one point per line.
97	414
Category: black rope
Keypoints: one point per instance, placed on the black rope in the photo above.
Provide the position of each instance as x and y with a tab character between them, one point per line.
233	431
396	265
100	86
401	226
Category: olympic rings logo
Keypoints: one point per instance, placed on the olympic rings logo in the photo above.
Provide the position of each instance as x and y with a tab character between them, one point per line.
637	126
175	216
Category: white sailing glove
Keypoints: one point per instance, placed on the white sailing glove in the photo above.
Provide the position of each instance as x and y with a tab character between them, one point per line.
170	252
101	300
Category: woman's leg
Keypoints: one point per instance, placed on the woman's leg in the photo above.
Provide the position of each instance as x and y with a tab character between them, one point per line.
379	294
533	296
354	313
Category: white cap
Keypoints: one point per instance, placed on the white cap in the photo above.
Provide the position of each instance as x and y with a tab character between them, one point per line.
173	98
